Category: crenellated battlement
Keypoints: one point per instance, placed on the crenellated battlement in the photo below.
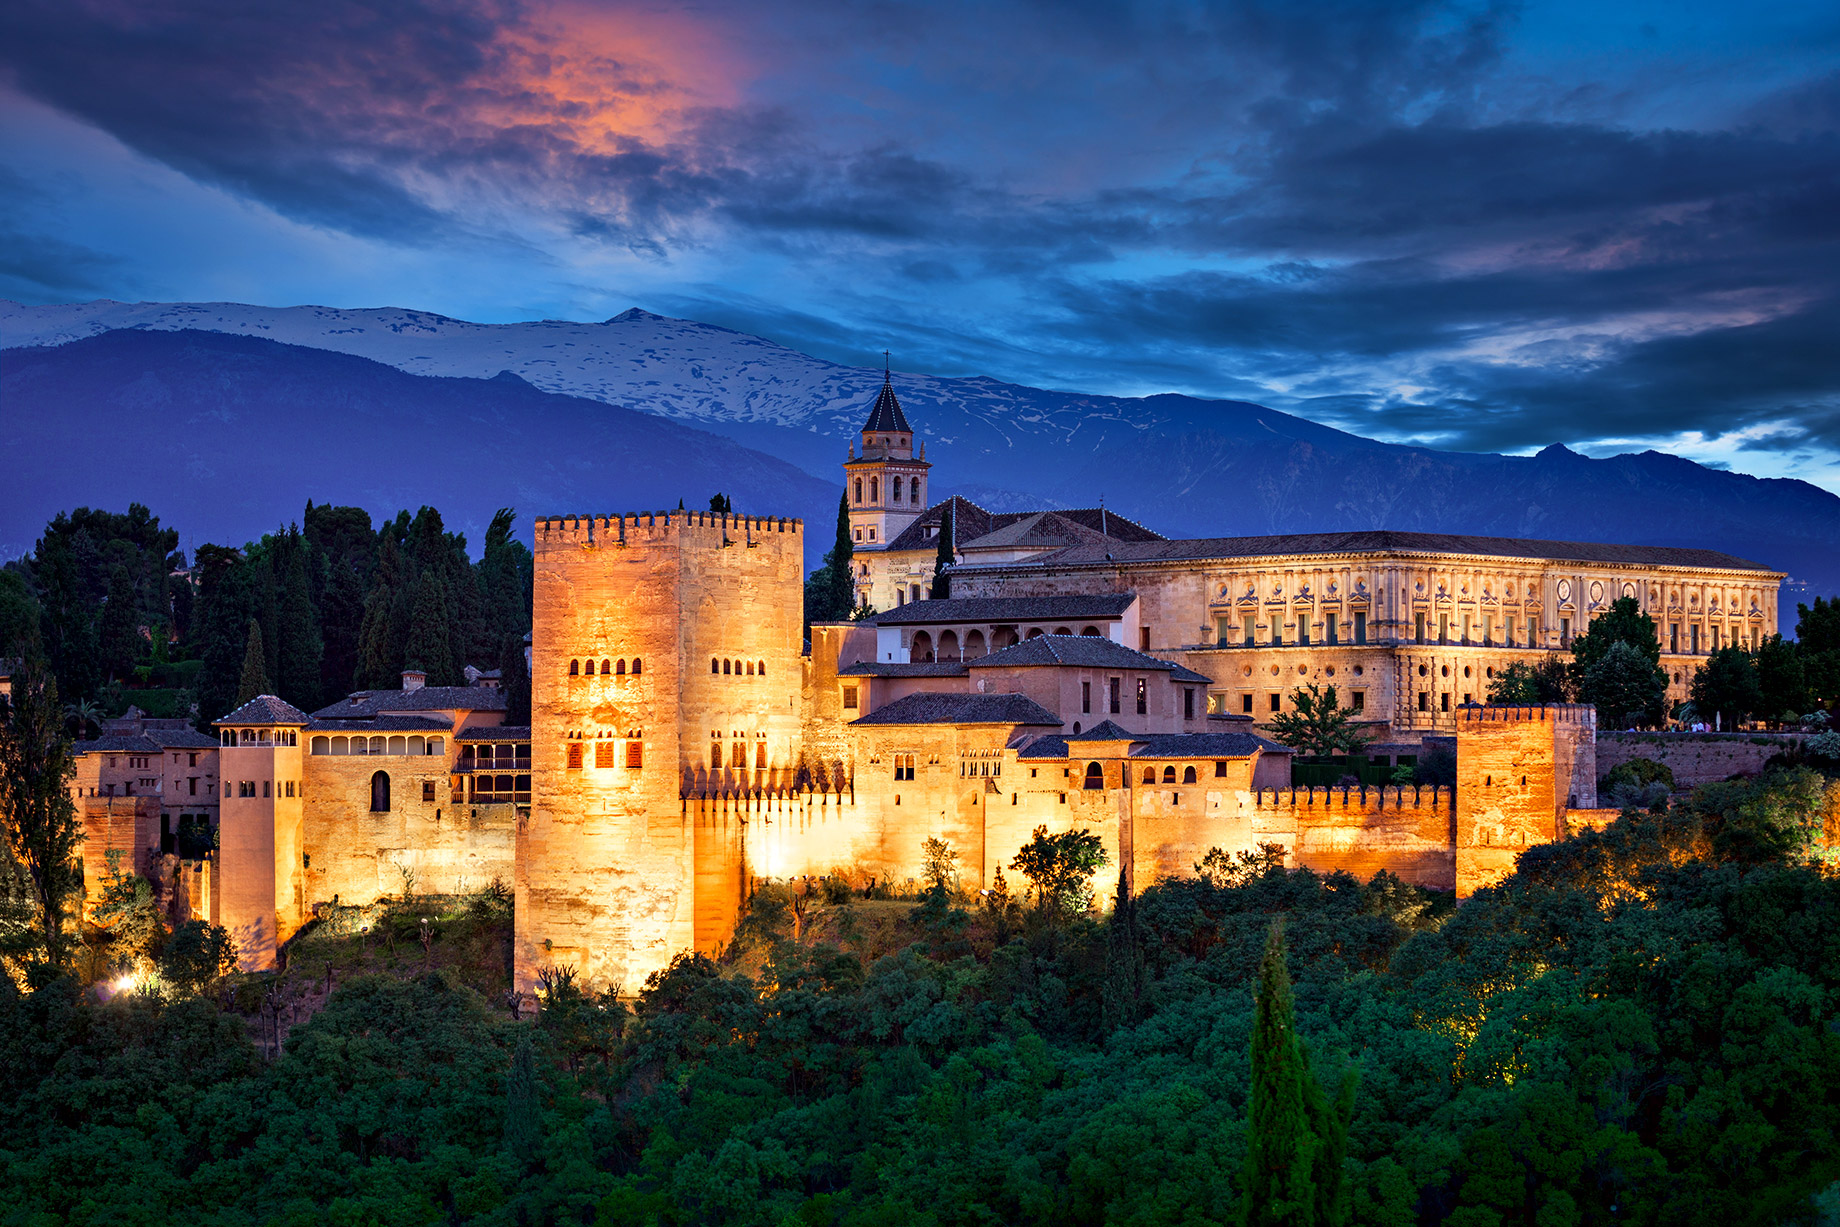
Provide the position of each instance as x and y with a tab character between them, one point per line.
1355	798
706	528
1580	714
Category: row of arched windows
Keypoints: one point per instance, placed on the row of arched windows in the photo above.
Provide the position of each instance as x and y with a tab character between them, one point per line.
617	668
894	489
745	668
1095	775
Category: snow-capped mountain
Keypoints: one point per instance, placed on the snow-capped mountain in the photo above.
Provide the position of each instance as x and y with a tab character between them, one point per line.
1181	465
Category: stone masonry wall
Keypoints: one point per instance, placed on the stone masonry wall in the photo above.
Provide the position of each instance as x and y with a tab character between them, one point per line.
1694	758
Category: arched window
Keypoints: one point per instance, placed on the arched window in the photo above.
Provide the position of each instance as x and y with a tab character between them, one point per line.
574	668
321	745
1149	775
762	670
875	489
1090	630
750	668
859	489
728	666
380	793
897	489
715	666
399	745
974	645
1095	776
638	665
619	668
916	490
587	667
1188	775
1169	775
605	669
1062	630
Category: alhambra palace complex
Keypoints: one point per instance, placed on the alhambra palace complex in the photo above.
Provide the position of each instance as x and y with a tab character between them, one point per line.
1086	672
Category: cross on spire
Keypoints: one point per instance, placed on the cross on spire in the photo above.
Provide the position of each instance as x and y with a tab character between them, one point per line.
887	373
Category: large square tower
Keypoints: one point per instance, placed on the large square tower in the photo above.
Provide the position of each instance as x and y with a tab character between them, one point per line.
665	664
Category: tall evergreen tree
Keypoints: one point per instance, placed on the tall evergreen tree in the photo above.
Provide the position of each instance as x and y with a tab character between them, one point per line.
119	638
344	547
514	680
297	625
505	574
253	680
842	563
379	661
1125	970
1281	1147
222	628
942	582
523	1112
42	829
430	634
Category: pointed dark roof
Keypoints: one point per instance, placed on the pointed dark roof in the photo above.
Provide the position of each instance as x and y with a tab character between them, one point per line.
887	415
1106	730
971	524
267	709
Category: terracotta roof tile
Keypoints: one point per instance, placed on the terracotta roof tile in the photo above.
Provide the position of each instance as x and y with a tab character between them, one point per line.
267	709
962	709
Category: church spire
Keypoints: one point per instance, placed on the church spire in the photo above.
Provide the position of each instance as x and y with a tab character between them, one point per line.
886	414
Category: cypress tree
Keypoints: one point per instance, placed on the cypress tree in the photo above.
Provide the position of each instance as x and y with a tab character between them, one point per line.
1281	1146
297	626
37	813
379	665
1124	960
514	680
841	562
431	633
222	629
120	632
254	679
942	582
523	1114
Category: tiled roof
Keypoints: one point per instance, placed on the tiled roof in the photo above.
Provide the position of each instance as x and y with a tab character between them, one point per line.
888	668
1051	746
382	724
180	739
886	414
363	704
1081	651
1105	730
267	709
494	732
1043	530
972	524
962	709
1384	541
116	743
1206	745
1100	606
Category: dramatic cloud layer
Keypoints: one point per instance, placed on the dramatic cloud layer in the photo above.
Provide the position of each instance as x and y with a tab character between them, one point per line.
1481	225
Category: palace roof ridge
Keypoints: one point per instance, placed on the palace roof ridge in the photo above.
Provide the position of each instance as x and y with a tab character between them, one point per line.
1082	651
1008	608
1378	541
266	709
929	708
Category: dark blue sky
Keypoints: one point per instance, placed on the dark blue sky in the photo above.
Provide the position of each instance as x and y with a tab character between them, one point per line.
1478	226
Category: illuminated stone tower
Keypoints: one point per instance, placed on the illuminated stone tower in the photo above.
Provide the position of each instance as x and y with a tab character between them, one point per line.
665	665
886	485
261	828
1519	769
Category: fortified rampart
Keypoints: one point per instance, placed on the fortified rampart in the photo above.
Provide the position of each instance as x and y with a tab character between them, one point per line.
1694	758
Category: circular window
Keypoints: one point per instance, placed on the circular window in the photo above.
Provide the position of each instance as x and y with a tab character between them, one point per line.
1597	591
1274	670
1303	669
1329	670
1444	670
1465	670
1247	670
1629	590
1358	670
1565	590
1422	670
1489	672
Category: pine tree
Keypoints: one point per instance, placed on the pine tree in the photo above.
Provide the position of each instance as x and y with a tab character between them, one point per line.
1281	1153
431	634
254	679
523	1114
942	582
42	829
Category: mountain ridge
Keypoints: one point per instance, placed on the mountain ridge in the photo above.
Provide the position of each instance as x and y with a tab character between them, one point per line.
1183	465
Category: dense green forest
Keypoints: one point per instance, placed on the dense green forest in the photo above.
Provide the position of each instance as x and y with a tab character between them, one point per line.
1639	1026
309	612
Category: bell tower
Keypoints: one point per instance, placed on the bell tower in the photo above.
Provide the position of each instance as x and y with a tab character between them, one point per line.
886	482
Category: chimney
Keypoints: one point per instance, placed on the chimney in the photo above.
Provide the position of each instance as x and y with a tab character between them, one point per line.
414	679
